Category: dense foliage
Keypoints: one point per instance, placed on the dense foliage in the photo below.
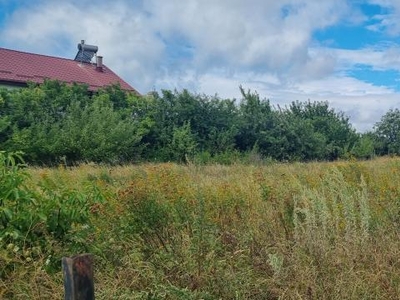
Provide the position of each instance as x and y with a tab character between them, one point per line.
388	133
40	219
54	123
174	231
319	230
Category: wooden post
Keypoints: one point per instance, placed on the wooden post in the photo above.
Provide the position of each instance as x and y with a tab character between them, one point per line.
78	277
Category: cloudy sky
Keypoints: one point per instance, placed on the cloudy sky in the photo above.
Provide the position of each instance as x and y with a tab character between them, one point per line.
345	52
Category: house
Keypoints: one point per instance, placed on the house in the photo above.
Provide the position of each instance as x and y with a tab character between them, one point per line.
18	68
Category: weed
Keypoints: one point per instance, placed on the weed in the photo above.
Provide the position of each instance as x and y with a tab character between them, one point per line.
167	231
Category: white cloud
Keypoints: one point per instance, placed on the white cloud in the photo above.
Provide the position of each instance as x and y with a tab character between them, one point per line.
387	22
378	59
268	35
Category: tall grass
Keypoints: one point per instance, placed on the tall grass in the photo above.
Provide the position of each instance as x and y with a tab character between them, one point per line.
279	231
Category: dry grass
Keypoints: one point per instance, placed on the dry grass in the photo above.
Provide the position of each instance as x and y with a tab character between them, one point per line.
282	231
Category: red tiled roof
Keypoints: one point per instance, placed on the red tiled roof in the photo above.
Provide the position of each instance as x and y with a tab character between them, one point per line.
21	67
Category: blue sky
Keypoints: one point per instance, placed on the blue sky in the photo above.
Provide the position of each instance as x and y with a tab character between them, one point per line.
344	52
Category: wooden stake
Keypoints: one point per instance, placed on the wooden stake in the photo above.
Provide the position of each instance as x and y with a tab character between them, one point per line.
78	277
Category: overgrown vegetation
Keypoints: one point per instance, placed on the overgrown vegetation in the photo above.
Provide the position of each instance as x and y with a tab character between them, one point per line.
54	123
229	223
168	231
40	222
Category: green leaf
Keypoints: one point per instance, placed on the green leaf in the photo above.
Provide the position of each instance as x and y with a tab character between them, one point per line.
7	212
42	216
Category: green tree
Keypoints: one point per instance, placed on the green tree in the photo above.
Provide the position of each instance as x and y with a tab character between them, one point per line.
118	97
183	142
338	133
219	127
34	114
364	148
295	138
256	121
212	122
98	133
55	120
4	117
387	131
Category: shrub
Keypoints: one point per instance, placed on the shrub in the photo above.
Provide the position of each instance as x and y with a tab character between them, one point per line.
38	220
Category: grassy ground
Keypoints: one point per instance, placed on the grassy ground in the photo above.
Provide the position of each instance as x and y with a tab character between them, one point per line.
280	231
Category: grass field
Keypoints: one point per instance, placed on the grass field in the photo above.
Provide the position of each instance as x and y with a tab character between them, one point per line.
276	231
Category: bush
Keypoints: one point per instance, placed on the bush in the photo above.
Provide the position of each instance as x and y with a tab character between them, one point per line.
16	200
40	220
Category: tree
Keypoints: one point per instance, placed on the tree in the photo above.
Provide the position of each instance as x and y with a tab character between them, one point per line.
338	133
212	122
364	148
255	123
98	133
296	138
183	142
4	118
387	131
56	120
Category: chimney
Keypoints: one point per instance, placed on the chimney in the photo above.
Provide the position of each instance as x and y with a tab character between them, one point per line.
99	63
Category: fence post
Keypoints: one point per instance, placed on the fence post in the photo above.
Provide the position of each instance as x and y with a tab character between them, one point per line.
78	277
